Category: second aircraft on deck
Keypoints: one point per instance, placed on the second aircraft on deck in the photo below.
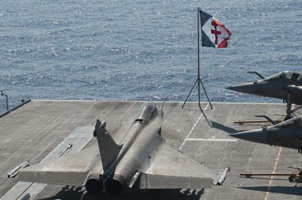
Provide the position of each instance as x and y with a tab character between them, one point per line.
284	85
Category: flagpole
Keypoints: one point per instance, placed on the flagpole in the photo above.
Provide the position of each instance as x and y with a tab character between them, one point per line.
199	77
198	55
198	80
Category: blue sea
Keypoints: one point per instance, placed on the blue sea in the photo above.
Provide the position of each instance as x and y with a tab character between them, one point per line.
141	50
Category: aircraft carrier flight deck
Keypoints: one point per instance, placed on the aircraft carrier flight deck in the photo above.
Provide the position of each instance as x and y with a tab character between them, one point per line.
41	130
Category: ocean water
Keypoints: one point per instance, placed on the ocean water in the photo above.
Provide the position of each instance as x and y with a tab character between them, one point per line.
141	50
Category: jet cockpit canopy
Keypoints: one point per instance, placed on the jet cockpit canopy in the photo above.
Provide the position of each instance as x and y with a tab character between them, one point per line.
286	75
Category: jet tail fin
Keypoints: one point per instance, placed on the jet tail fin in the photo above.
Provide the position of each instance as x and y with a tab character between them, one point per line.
107	146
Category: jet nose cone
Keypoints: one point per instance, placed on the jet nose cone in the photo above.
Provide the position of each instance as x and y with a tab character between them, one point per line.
244	88
257	135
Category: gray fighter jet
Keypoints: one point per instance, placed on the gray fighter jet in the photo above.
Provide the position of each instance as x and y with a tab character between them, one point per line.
286	134
140	160
284	85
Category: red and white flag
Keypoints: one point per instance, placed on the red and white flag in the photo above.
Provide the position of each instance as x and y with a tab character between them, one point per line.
214	33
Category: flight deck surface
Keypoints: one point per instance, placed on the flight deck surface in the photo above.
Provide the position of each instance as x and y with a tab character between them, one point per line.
41	130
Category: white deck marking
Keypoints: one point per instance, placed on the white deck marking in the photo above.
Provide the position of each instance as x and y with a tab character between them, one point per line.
212	140
26	190
192	129
273	172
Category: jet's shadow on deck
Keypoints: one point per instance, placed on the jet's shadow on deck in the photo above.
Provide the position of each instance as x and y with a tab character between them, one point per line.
166	194
67	193
291	190
72	193
224	128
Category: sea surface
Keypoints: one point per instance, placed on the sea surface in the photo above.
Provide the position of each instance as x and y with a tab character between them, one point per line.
141	50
